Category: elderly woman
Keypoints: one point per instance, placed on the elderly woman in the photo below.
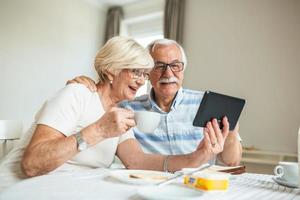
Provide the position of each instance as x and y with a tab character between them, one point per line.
80	129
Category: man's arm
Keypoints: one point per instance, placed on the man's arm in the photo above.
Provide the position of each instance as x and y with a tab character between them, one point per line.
133	157
232	153
87	81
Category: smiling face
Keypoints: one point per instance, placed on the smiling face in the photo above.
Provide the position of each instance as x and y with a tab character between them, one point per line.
125	86
166	83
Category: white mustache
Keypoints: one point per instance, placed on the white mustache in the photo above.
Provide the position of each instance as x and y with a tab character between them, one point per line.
172	79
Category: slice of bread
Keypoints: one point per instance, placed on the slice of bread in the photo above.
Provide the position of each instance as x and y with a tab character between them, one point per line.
148	176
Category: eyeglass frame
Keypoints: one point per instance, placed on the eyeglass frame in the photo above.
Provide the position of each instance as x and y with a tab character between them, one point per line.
138	74
166	65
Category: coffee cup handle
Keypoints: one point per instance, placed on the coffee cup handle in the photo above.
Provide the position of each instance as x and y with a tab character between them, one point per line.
278	171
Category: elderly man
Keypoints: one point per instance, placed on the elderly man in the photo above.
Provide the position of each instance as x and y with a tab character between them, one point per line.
175	133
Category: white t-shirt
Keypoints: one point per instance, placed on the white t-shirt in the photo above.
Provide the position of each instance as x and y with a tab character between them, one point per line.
71	109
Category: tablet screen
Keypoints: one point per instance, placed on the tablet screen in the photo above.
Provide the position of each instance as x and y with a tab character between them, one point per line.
215	105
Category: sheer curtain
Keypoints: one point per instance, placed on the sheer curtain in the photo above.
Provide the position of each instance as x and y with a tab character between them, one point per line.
113	21
173	19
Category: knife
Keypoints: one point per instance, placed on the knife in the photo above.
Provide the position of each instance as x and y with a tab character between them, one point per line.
181	174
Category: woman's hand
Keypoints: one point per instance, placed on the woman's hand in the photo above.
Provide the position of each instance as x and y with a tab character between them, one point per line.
113	123
86	81
214	138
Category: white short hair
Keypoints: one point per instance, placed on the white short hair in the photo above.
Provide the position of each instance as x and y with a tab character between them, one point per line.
166	42
121	53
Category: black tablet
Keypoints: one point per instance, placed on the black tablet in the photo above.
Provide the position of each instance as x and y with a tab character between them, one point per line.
215	105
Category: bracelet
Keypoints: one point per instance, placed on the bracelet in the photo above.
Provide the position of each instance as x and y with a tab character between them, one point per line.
166	163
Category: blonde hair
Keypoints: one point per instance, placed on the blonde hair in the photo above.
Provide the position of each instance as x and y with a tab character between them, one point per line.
121	53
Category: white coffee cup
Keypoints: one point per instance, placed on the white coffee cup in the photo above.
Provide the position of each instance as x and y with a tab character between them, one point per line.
287	171
146	121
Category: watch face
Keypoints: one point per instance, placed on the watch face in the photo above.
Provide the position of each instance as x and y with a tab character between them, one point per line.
82	146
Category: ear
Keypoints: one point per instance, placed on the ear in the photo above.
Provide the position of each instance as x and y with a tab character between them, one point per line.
110	77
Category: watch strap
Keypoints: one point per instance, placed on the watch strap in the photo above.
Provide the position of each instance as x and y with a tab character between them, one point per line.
81	143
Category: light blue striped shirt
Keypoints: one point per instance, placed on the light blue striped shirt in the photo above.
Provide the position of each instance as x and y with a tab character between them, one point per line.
175	133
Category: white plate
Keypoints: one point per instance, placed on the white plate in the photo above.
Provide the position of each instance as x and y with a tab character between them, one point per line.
153	177
168	192
284	183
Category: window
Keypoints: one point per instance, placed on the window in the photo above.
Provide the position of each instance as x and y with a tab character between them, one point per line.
143	22
144	41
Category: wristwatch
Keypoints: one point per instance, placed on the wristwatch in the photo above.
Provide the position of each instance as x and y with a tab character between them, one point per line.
81	143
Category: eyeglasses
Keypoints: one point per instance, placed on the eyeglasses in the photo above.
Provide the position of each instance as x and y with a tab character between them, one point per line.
174	66
138	73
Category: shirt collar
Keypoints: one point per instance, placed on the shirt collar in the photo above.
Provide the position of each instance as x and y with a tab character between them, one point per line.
176	101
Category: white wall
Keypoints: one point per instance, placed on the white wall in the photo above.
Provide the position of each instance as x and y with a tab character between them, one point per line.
249	49
42	45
